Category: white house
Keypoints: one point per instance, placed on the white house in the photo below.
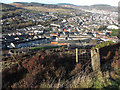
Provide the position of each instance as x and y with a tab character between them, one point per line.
112	27
12	45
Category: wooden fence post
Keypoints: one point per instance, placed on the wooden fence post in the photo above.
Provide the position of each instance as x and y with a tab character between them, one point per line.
76	55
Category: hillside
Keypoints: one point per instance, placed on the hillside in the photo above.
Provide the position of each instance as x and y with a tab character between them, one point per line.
12	18
16	5
66	4
104	7
11	11
95	6
6	7
35	4
101	7
20	15
40	7
54	69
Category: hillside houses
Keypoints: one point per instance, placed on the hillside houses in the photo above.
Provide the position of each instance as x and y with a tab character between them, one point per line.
57	26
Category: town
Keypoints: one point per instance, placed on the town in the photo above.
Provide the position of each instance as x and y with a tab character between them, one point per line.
89	25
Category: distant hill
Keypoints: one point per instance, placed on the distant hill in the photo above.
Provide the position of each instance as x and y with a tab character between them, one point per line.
104	7
66	4
101	7
7	7
10	14
17	4
25	4
41	6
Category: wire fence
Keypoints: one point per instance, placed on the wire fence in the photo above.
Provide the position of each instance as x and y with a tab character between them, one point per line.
84	68
85	56
68	81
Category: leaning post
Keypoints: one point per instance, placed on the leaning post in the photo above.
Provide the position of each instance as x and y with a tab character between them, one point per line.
95	61
76	55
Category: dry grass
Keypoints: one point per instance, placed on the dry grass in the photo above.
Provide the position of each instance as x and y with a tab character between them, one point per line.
45	9
82	81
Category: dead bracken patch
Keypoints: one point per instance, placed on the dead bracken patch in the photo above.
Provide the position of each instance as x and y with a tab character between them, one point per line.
43	69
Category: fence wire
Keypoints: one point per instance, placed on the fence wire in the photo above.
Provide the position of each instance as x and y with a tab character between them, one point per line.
69	81
84	68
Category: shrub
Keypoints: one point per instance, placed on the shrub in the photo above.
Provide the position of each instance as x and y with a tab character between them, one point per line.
103	44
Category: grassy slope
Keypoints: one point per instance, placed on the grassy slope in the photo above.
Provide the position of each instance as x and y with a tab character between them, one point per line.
45	9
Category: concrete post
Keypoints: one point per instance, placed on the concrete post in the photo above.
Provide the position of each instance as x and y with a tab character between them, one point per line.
76	55
95	60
